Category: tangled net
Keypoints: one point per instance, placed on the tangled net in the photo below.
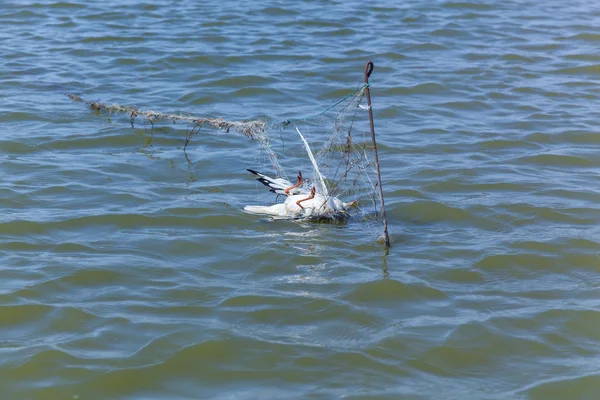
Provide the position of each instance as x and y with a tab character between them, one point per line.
344	156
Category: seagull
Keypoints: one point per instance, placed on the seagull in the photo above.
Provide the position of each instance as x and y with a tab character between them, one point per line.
302	201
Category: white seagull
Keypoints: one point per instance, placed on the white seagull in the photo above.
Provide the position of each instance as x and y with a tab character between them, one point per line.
302	202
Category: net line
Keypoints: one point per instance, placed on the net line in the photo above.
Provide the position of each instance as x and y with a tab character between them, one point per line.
345	159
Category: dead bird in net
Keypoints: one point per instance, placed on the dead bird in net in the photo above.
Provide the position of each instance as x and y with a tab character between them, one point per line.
302	202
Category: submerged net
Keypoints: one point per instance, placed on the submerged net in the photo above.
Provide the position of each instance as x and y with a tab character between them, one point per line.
338	136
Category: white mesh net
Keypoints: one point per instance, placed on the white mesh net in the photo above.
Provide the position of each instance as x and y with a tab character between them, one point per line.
340	139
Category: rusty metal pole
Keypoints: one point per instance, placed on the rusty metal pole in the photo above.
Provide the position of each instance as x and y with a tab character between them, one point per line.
368	71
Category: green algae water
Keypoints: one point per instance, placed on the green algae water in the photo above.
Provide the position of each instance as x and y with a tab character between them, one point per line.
130	271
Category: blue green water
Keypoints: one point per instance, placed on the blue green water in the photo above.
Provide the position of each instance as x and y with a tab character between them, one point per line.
131	272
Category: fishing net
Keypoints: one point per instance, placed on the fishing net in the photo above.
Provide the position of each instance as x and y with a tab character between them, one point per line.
340	141
339	138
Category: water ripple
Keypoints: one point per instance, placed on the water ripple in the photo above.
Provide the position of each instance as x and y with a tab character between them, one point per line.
130	271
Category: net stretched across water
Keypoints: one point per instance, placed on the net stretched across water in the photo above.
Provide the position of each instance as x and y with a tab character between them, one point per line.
338	138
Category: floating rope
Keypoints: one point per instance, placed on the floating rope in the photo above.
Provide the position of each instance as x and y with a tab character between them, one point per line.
248	128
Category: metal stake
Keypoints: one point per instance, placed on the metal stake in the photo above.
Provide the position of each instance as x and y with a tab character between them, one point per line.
368	70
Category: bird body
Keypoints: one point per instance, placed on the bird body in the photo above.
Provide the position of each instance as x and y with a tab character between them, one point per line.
302	202
319	207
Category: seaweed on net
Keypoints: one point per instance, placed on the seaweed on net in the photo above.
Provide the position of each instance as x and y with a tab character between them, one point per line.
251	129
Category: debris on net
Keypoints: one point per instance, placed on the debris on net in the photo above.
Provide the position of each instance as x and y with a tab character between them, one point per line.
252	129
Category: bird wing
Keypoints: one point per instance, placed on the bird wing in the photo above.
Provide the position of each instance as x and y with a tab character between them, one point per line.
277	185
323	187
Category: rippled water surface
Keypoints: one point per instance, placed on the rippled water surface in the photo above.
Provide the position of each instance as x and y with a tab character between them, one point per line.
131	272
